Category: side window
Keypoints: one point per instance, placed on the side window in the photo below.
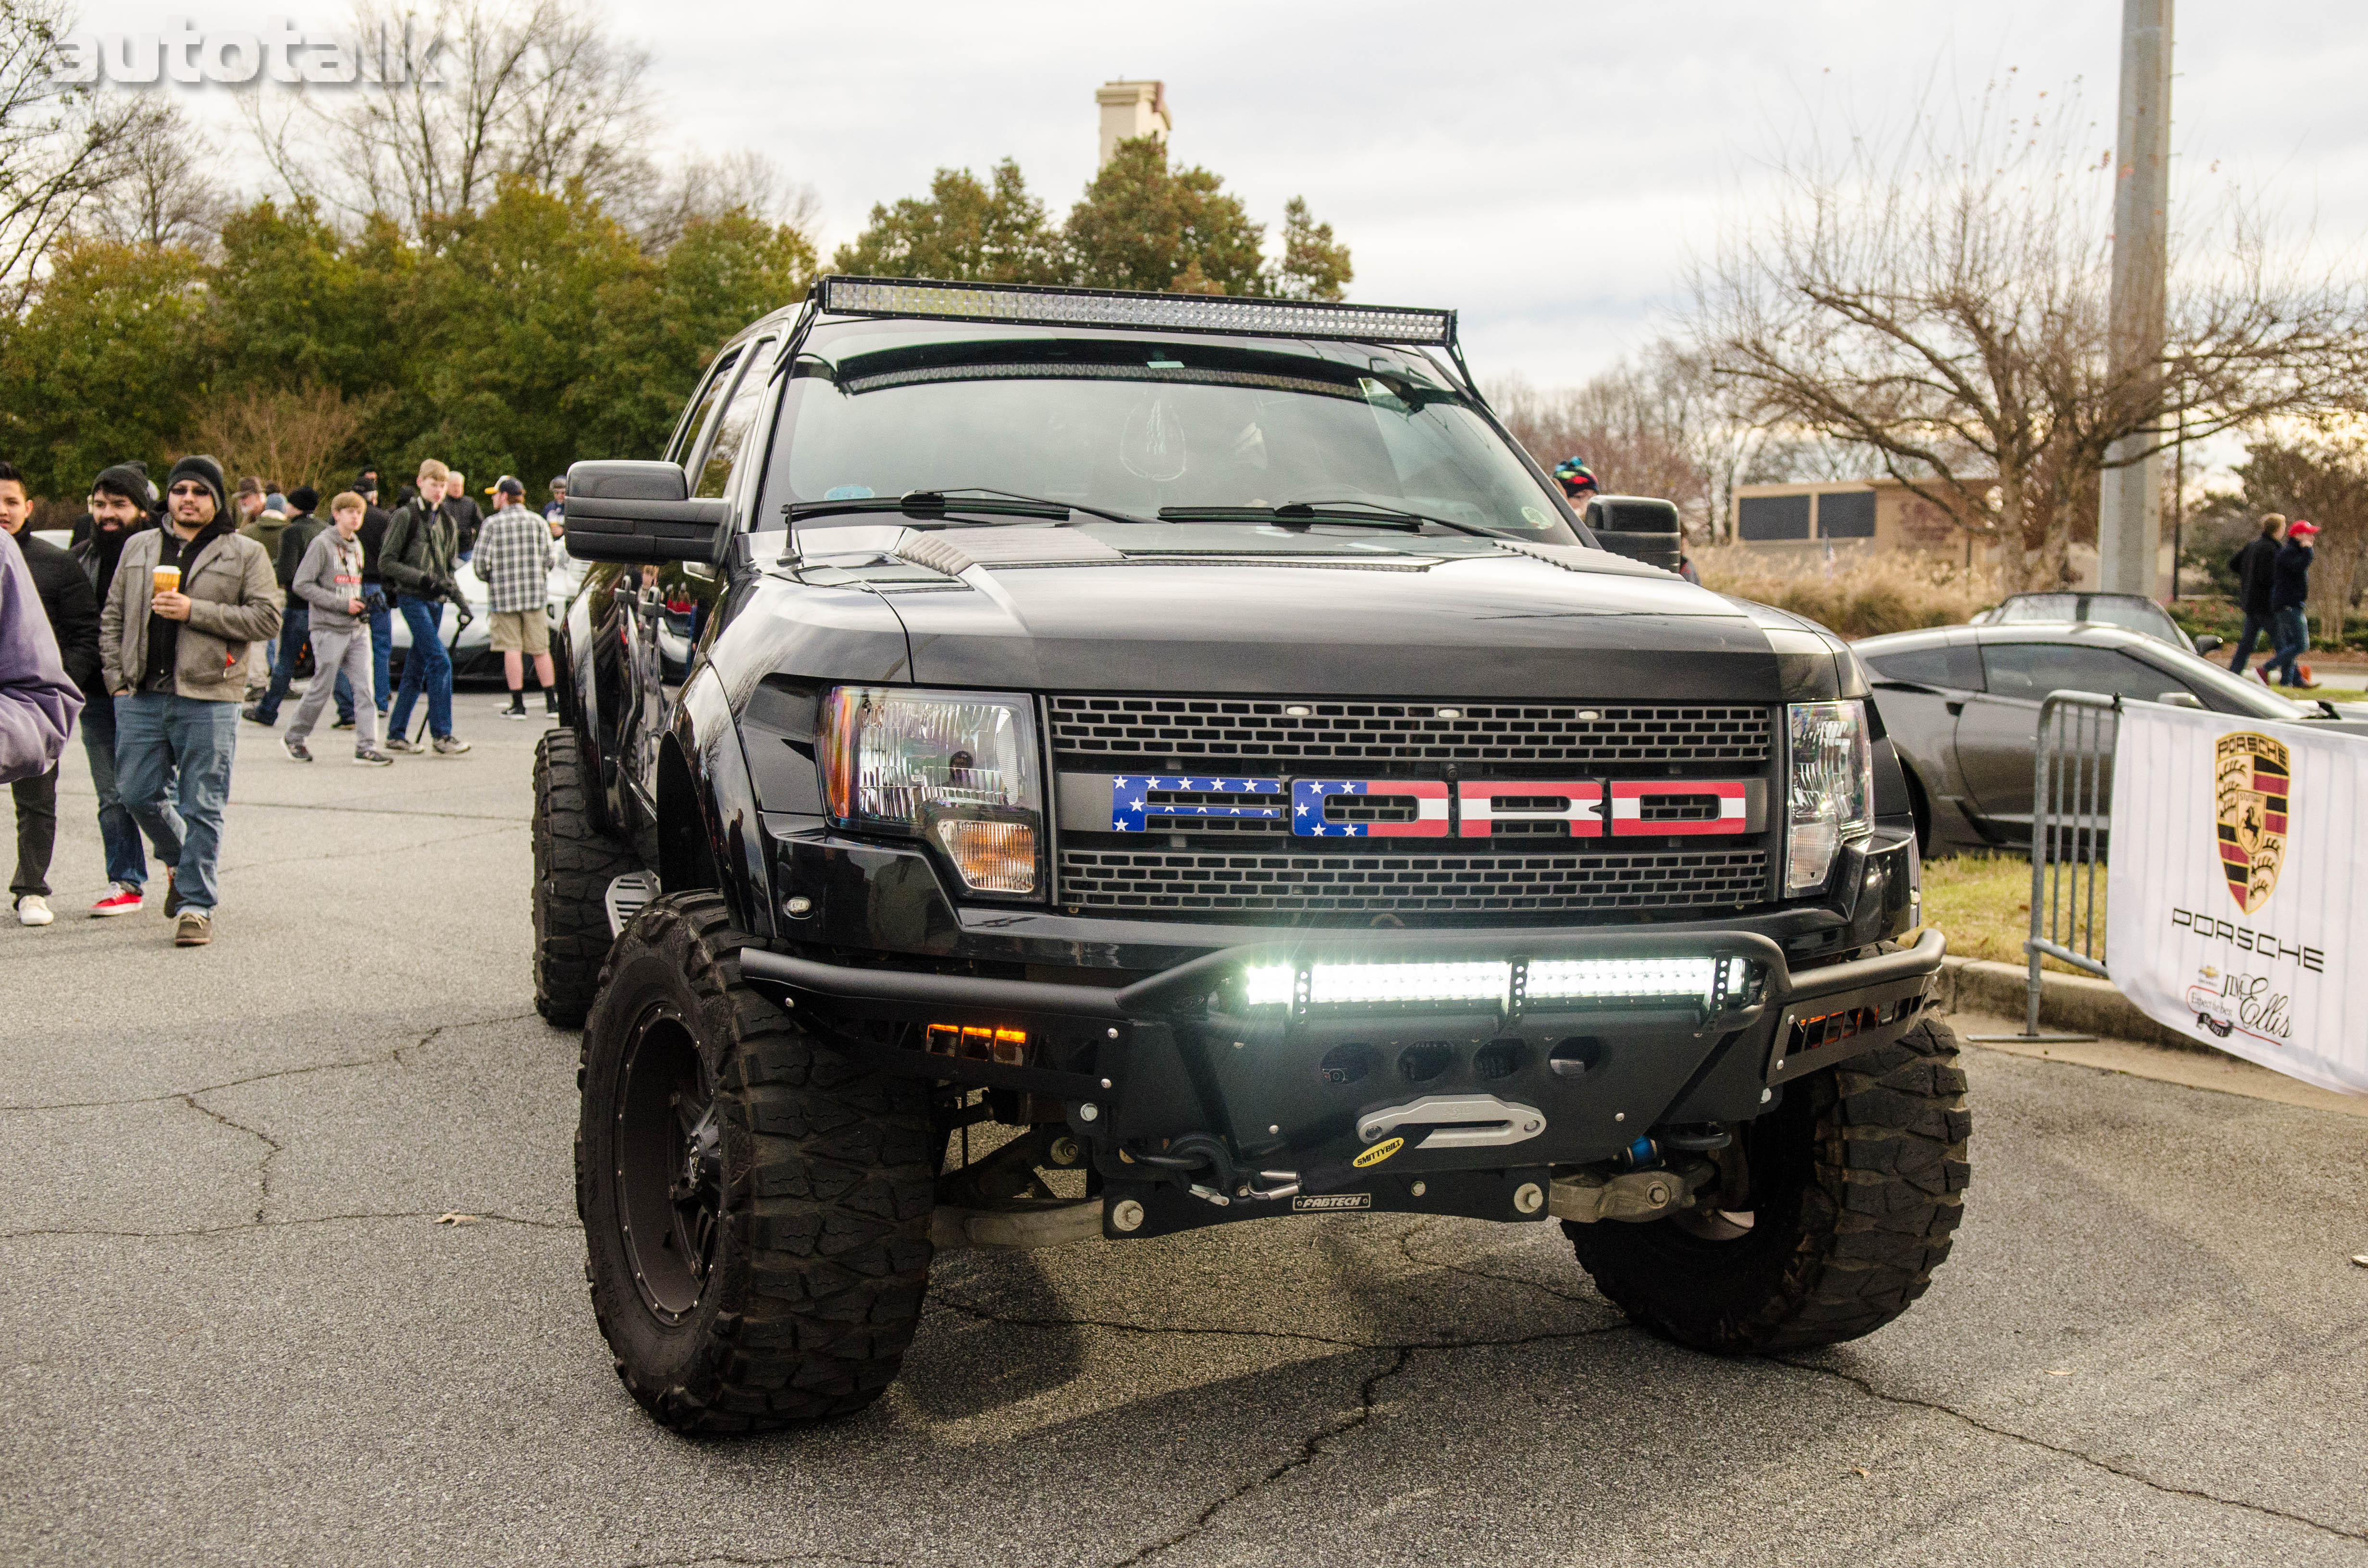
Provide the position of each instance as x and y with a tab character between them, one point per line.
1923	666
687	442
731	429
2037	670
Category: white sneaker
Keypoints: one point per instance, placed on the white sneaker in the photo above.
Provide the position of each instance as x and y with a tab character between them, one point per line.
33	910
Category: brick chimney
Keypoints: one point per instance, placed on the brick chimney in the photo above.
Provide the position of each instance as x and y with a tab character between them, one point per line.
1130	109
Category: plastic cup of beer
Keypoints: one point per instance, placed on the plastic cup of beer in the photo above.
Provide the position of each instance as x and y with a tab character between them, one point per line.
168	579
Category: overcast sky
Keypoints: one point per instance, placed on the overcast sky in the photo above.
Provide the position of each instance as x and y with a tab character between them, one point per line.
1543	167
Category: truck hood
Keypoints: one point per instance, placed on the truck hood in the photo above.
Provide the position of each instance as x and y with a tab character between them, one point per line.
1397	616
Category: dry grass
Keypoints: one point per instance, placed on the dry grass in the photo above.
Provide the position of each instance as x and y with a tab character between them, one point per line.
1983	903
1860	595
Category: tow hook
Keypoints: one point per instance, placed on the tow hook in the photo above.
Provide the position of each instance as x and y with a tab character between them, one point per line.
1587	1197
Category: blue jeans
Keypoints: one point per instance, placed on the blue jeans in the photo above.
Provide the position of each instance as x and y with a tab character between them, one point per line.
425	668
295	625
118	834
2256	628
382	628
154	736
2292	632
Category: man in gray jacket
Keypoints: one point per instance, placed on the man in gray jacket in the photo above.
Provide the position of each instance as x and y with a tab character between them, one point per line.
177	633
328	580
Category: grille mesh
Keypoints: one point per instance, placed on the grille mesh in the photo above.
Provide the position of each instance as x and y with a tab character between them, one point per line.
1218	881
1252	729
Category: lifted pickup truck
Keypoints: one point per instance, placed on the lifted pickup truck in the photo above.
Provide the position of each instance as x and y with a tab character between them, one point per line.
1043	764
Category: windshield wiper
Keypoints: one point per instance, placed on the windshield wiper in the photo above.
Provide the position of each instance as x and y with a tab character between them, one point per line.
1305	513
937	504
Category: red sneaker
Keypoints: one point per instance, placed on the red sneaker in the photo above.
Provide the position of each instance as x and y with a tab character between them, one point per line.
121	901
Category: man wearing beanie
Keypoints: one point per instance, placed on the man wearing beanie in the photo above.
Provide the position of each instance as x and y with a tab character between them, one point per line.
295	614
122	502
2289	599
175	653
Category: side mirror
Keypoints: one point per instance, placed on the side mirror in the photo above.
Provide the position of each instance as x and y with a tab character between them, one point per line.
634	512
2207	643
2179	700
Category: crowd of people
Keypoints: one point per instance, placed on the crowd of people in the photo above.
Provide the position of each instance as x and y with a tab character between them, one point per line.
169	617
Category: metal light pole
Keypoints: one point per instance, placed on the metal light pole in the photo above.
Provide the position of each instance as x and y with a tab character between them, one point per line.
2129	512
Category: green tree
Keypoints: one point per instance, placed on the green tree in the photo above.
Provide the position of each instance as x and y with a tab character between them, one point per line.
292	301
659	326
1314	266
961	230
104	364
1144	225
504	318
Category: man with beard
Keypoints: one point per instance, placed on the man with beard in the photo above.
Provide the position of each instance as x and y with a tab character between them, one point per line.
121	502
177	633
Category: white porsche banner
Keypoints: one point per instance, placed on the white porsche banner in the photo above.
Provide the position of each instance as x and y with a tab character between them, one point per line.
2237	887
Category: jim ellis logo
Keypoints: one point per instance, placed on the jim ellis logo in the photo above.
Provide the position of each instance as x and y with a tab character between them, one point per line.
283	53
2253	782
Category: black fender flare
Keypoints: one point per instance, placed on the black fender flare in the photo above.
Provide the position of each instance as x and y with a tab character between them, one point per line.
709	834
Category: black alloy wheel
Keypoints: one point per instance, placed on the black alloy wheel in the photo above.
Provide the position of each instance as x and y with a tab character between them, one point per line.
755	1199
669	1163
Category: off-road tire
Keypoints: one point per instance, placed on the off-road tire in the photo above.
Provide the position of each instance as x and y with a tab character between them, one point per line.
1858	1184
822	1252
573	864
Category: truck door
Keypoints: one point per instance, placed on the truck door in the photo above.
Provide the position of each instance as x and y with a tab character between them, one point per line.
673	600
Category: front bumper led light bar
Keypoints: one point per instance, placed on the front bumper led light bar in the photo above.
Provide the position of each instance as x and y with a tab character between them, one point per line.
1029	305
1507	986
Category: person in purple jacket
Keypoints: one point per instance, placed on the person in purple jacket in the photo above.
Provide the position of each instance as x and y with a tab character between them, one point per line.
38	703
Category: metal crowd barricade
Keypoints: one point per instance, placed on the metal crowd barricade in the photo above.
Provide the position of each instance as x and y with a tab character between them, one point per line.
2071	810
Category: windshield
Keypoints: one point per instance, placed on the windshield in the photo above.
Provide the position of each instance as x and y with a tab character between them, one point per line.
2100	609
1133	427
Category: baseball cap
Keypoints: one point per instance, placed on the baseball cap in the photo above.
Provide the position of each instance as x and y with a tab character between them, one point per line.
2301	526
506	485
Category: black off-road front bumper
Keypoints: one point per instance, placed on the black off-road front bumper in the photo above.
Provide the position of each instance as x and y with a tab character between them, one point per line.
1319	1074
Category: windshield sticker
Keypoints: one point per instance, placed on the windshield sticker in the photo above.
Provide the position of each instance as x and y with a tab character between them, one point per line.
847	493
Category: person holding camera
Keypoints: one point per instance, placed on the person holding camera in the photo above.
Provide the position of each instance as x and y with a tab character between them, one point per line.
417	563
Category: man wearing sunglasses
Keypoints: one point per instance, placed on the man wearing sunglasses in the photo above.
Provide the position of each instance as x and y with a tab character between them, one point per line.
177	632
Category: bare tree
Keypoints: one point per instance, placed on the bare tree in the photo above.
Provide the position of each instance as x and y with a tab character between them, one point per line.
1654	424
707	188
1937	297
162	194
61	144
476	94
292	435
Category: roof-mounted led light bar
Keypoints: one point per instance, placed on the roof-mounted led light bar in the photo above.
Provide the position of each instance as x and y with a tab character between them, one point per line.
1030	305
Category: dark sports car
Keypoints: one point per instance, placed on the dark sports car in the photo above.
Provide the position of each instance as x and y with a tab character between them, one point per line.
1961	703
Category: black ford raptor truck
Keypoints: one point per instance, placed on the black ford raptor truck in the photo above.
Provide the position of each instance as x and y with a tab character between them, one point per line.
1043	764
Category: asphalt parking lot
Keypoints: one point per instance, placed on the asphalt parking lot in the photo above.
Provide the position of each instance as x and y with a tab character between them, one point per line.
289	1273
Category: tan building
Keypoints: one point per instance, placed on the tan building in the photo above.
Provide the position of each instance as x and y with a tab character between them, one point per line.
1130	109
1842	517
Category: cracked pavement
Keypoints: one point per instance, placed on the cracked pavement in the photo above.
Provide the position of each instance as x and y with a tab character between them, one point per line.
291	1275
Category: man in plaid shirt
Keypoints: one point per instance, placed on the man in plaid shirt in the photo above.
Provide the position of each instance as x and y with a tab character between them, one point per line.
514	558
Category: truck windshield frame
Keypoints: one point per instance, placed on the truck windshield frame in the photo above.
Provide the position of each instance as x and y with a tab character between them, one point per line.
1129	426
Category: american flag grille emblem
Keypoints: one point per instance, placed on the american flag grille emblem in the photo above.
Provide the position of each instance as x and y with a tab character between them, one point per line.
1138	799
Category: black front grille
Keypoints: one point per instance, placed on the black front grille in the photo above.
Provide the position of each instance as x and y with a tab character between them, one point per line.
1217	881
1254	729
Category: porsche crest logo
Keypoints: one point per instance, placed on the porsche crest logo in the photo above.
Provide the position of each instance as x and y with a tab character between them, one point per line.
2252	776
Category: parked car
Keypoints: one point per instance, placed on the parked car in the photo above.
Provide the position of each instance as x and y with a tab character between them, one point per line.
1961	706
1052	660
2131	612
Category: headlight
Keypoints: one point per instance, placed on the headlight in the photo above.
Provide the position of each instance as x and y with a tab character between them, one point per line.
955	769
1831	796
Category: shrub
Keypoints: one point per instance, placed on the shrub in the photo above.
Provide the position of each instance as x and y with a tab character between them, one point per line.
1861	595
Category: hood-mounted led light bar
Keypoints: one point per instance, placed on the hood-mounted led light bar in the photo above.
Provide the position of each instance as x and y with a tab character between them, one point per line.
1026	304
